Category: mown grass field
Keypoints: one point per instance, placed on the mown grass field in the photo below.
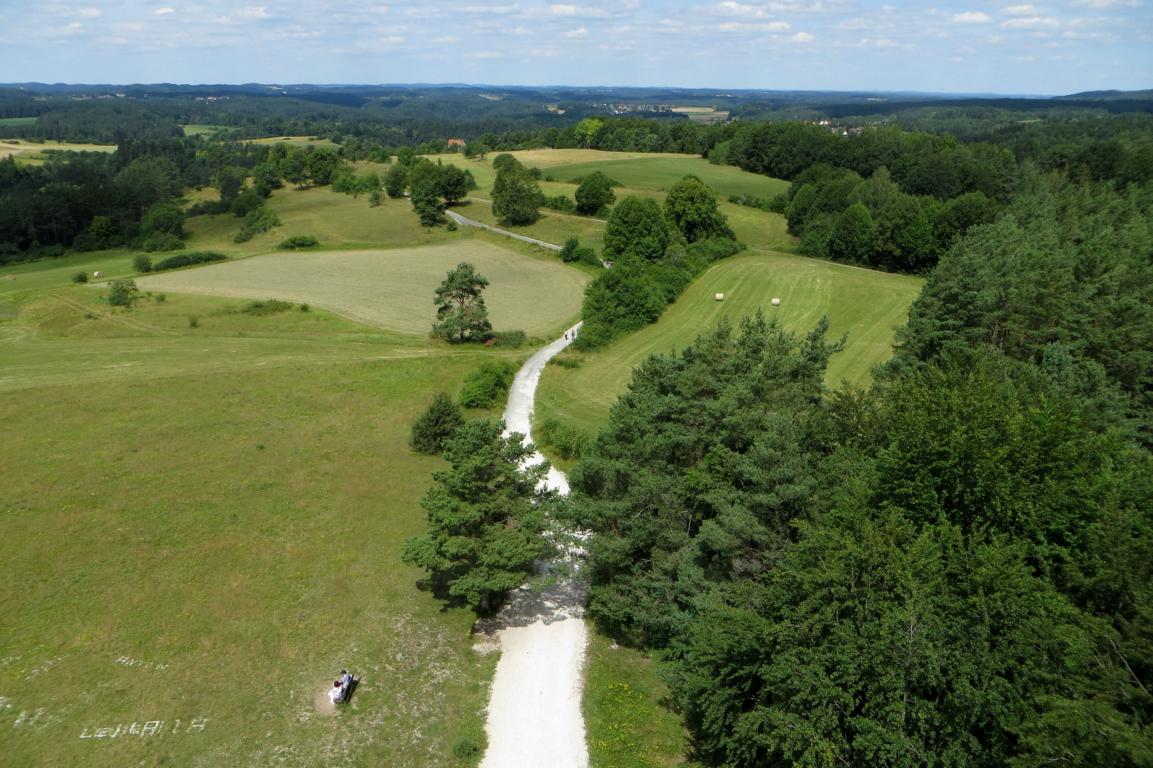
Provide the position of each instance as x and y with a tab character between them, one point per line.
393	288
867	305
200	527
333	219
37	152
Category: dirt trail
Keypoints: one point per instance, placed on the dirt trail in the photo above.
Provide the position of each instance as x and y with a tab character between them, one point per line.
534	712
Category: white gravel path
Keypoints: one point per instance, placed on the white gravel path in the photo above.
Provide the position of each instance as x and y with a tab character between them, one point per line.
534	712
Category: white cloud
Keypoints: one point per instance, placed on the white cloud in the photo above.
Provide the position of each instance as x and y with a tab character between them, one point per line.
1020	10
732	8
163	11
562	10
1031	22
498	10
253	12
740	26
577	34
885	43
484	55
970	17
801	37
89	13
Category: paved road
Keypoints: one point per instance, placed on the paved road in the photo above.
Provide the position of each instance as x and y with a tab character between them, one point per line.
466	222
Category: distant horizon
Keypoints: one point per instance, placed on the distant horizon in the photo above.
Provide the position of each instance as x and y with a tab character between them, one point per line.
994	47
559	86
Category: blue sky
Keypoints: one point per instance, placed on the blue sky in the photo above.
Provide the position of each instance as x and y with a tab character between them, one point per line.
1013	47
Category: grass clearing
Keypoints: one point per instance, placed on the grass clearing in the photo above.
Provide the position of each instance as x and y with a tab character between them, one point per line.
36	152
335	220
867	305
222	545
200	526
393	288
628	725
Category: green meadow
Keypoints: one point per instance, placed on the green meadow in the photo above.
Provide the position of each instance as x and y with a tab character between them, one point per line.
864	305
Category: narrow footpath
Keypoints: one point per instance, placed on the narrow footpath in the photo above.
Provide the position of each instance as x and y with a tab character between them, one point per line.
467	222
534	711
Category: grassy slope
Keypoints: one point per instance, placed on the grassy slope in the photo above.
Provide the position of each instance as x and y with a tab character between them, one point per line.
867	305
393	288
226	506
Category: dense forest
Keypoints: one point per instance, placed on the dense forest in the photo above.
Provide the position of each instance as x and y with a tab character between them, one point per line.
951	567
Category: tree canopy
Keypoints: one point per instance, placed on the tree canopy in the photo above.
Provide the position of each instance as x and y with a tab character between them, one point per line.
460	310
485	519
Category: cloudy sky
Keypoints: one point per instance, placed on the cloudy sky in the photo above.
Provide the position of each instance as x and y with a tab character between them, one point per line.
1043	47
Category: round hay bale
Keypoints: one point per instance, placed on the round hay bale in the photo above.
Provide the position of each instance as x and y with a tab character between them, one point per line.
775	302
719	296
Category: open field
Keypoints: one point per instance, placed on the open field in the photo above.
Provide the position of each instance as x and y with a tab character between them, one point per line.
393	288
867	305
296	141
194	129
36	152
200	526
644	175
333	219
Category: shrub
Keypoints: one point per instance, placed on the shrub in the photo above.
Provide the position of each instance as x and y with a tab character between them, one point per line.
142	263
451	226
263	308
208	207
560	203
257	222
161	241
122	293
439	422
568	442
193	321
487	385
80	277
187	260
297	242
511	339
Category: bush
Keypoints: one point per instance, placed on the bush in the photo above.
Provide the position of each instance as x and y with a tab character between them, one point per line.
263	308
257	222
568	442
296	242
560	203
187	260
438	423
451	226
122	293
511	339
487	385
80	277
142	263
208	207
161	241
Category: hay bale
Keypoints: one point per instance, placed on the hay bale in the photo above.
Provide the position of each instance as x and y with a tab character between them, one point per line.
719	296
775	302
